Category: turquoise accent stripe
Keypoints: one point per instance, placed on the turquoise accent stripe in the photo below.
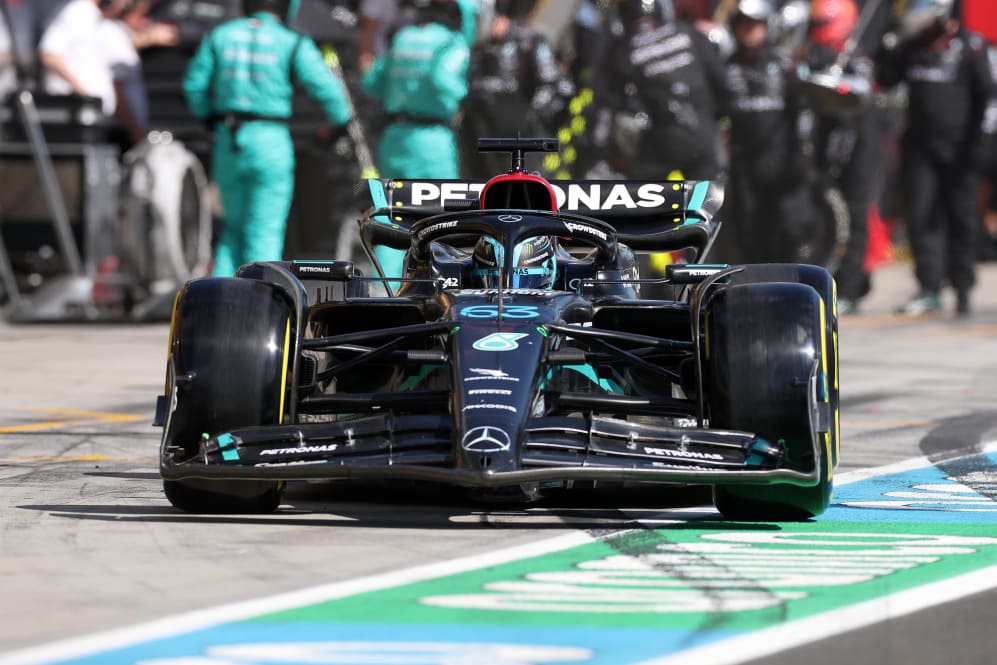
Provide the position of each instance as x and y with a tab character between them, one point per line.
416	379
392	260
755	456
696	200
589	373
377	196
698	195
227	443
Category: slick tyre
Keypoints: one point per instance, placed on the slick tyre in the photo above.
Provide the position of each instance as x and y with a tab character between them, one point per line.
822	281
822	241
229	358
767	359
167	222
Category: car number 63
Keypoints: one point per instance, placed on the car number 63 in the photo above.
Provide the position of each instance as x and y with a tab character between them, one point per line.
508	311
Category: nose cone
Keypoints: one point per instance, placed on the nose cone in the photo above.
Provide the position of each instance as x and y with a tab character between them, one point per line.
495	383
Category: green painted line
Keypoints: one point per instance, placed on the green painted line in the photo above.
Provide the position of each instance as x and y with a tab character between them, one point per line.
693	589
743	576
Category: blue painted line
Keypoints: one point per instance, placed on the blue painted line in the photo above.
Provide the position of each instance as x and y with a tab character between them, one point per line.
608	646
926	496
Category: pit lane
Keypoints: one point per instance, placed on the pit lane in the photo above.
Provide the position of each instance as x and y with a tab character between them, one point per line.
88	543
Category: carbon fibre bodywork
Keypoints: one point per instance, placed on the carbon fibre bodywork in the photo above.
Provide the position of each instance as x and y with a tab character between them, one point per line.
502	388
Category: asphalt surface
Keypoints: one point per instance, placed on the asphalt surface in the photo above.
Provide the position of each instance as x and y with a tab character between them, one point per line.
88	542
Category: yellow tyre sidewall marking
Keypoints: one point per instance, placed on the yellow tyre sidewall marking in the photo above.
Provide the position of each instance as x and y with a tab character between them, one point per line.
283	370
827	395
837	365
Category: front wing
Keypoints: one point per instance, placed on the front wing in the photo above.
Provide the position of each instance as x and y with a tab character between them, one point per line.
421	447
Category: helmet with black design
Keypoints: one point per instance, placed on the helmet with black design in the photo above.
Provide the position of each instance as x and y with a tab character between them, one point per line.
832	22
750	25
917	16
533	264
287	10
641	15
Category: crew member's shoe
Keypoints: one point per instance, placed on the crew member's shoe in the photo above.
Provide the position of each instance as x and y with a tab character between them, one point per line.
962	306
847	306
925	303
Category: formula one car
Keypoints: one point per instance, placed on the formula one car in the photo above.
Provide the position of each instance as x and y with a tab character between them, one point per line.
515	356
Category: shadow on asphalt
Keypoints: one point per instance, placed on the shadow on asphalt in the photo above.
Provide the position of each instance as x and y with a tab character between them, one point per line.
414	507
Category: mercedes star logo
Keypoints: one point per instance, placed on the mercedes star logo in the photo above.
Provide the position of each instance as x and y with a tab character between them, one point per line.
510	219
486	440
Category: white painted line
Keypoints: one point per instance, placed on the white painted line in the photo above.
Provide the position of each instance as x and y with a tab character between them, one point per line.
910	465
197	620
769	641
775	639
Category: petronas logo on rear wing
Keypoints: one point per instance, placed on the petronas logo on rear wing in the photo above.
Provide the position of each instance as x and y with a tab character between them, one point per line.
609	198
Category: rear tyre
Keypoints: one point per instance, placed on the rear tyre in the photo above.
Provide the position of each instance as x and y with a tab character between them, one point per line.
230	350
767	358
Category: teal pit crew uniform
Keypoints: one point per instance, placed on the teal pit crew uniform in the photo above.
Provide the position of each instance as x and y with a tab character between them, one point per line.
420	81
241	80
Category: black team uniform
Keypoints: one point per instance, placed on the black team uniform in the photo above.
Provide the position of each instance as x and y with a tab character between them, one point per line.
951	122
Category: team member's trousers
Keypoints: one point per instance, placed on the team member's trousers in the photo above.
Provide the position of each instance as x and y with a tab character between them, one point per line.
942	220
858	182
255	177
411	151
769	217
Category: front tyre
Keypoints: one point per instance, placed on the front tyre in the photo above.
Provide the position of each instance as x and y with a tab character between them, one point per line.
821	280
230	349
223	496
767	359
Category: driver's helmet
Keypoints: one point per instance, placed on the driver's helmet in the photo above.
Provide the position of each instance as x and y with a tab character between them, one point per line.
533	264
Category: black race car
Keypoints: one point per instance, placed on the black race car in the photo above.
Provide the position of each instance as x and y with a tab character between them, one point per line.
516	354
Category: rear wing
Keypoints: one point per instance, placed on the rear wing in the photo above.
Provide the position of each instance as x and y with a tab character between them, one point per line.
648	215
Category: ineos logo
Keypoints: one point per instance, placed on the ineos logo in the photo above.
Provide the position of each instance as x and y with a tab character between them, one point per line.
486	440
510	219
